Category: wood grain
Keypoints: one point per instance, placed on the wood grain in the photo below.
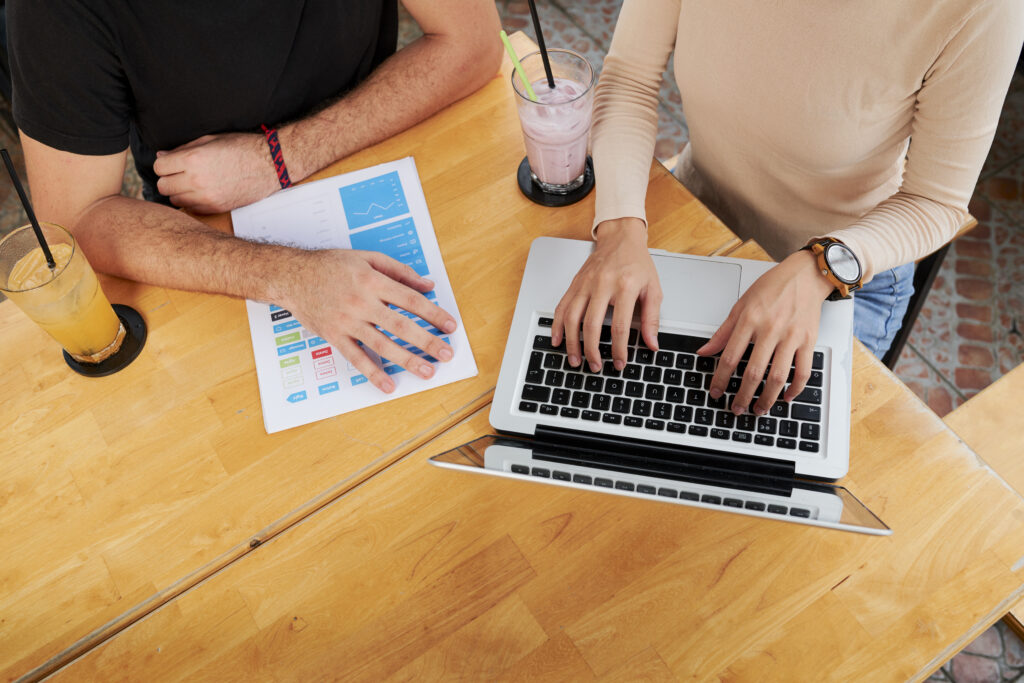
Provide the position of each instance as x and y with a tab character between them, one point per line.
430	574
121	493
990	423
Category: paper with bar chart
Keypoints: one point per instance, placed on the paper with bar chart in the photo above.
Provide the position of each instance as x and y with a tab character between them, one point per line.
302	378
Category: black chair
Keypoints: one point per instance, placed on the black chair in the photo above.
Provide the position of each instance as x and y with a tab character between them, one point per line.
924	275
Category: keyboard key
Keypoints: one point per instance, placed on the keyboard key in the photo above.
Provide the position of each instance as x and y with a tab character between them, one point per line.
788	444
673	377
634	389
644	356
532	392
594	384
710	499
656	425
582	479
668	493
679	342
560	475
570	412
685	361
614	386
779	409
654	392
520	469
705	364
641	408
683	414
553	361
815	379
591	415
536	360
695	397
546	322
580	399
717	433
611	418
762	440
621	405
803	411
541	472
542	342
624	485
742	437
573	380
703	416
605	350
810	431
688	495
799	512
560	397
631	421
754	505
694	380
809	446
766	425
675	394
788	428
777	509
634	335
549	410
676	428
734	385
601	402
732	502
663	411
664	359
718	403
535	376
554	378
646	488
652	373
818	362
528	406
724	419
808	395
603	483
746	422
606	333
697	430
631	371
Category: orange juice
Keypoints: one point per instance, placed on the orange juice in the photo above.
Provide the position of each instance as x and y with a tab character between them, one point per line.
66	301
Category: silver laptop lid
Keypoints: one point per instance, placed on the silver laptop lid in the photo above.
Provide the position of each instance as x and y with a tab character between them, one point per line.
699	292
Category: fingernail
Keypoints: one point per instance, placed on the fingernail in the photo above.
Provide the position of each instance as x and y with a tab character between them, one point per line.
736	410
760	411
619	364
160	154
388	386
445	353
449	326
715	393
425	370
574	360
427	281
595	367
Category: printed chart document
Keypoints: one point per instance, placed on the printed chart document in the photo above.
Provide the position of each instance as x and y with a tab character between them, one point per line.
301	377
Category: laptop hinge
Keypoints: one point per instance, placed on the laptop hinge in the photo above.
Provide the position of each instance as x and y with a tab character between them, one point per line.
670	457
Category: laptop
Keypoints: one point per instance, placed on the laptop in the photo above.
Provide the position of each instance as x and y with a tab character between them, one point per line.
652	430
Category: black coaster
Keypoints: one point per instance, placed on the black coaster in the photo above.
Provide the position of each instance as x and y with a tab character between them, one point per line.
134	340
535	194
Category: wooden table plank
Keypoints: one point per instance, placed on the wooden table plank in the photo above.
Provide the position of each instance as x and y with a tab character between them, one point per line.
120	493
428	573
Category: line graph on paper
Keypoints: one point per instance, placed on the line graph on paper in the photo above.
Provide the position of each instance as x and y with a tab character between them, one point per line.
373	200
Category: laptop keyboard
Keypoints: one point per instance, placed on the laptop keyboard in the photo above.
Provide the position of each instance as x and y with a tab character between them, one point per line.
666	391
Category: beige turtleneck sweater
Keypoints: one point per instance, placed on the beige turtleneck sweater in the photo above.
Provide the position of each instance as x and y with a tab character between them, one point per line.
865	120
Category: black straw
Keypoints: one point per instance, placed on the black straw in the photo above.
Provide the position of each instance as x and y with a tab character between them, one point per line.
540	42
28	209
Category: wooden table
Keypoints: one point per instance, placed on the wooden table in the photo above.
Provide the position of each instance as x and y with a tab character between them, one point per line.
156	482
118	494
991	425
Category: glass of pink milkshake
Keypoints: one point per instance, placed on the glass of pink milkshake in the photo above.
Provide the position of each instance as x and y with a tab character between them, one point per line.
556	127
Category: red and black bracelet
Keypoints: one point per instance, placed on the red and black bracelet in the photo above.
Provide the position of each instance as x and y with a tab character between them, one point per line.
277	156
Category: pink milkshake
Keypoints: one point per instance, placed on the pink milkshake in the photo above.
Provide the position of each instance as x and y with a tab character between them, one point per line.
556	127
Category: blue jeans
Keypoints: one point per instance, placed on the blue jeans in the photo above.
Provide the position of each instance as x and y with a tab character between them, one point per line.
879	307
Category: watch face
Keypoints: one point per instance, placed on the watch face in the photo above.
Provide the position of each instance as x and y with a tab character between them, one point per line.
843	263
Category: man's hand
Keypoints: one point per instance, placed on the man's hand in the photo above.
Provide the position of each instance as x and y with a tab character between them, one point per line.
217	173
779	313
618	272
343	296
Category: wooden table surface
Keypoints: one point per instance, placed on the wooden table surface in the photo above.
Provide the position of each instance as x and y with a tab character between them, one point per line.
118	494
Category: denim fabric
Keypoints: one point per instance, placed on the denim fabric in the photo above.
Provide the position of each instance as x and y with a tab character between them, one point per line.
879	307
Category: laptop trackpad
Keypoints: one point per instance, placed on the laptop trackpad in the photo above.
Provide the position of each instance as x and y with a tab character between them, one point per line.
697	290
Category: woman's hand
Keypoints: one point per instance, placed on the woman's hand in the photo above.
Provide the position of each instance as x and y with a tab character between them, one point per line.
619	272
779	314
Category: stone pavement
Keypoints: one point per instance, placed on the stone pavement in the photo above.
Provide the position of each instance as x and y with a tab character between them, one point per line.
970	330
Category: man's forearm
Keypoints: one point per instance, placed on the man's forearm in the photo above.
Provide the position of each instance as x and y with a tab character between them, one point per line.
414	83
158	245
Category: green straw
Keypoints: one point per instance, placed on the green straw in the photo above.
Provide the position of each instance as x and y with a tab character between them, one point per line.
517	65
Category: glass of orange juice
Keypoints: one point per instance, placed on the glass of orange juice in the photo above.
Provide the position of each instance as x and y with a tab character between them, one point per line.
66	300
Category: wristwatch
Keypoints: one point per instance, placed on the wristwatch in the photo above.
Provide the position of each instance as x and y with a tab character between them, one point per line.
839	265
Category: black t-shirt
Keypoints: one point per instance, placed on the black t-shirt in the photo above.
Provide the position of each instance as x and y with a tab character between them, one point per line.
93	76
